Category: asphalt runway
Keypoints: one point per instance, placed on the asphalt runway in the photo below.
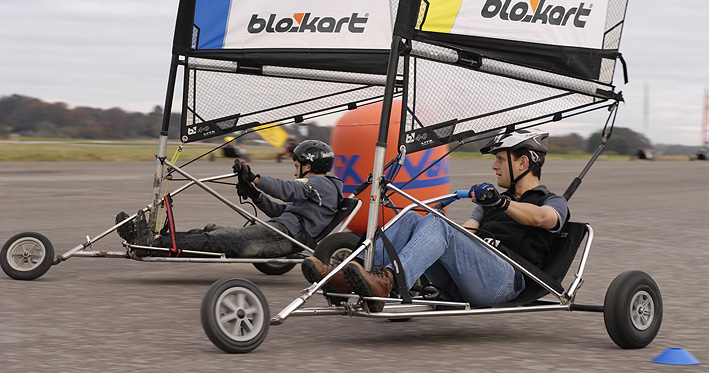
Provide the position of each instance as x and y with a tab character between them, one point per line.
117	315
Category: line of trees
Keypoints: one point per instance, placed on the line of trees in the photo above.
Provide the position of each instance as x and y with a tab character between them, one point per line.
31	117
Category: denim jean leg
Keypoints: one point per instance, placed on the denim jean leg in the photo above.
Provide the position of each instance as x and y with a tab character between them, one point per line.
481	276
438	276
428	242
398	234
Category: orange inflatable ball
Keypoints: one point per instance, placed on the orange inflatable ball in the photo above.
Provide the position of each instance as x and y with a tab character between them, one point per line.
353	139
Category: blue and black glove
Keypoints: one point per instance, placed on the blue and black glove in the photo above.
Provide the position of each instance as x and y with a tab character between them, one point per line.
487	195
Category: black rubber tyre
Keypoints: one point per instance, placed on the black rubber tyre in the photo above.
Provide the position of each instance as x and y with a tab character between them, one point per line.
336	247
235	315
632	310
274	269
26	256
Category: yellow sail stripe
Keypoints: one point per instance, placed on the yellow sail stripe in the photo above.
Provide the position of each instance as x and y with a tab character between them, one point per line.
441	15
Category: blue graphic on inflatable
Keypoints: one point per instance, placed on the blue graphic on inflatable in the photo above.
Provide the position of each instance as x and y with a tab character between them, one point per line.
437	175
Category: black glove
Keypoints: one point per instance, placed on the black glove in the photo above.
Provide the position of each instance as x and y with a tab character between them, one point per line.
242	189
486	195
242	186
246	190
253	193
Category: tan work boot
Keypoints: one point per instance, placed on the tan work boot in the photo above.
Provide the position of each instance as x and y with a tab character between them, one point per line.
377	283
314	271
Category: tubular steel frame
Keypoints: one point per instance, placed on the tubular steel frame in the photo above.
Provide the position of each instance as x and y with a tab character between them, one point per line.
426	308
81	250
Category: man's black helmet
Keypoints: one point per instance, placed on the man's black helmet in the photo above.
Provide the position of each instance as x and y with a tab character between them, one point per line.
317	154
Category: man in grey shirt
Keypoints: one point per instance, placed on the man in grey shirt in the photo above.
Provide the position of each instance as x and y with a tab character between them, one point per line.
311	201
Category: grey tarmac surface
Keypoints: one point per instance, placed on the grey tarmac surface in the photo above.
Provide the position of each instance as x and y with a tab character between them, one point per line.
117	315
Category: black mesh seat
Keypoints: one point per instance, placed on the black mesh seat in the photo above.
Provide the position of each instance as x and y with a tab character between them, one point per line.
347	205
555	265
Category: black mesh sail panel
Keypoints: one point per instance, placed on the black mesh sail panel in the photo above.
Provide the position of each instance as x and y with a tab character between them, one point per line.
222	96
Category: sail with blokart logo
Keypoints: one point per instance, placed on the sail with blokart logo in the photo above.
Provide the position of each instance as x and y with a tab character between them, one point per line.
252	63
478	66
465	68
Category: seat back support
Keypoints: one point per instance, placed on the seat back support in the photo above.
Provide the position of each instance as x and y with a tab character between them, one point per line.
555	265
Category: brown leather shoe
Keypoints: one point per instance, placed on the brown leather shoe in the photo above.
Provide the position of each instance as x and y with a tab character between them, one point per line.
314	271
369	284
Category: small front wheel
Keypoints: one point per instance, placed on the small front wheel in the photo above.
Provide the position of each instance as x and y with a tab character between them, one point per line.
632	310
26	256
235	315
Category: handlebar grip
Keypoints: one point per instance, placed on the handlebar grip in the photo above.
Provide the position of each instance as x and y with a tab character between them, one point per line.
361	188
463	193
458	195
446	202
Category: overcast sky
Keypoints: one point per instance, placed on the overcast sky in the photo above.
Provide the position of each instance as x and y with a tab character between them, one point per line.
116	53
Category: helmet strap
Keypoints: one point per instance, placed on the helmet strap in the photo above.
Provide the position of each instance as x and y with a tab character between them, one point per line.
302	173
514	180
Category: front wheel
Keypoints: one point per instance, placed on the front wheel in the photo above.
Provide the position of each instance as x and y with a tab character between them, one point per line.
235	315
632	310
26	256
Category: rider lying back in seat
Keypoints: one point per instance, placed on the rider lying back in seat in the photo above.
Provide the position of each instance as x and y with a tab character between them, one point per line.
312	201
526	218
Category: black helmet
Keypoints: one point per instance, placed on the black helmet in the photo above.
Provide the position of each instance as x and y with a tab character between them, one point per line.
317	154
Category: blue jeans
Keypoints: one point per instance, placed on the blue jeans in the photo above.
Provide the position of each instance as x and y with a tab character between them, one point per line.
464	268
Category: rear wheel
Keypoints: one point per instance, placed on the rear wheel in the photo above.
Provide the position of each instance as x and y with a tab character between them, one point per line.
632	310
26	256
235	315
274	268
336	247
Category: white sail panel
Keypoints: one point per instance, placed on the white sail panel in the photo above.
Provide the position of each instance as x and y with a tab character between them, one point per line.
269	24
553	22
363	24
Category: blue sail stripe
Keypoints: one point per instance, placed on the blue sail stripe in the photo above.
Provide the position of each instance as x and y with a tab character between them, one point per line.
211	18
